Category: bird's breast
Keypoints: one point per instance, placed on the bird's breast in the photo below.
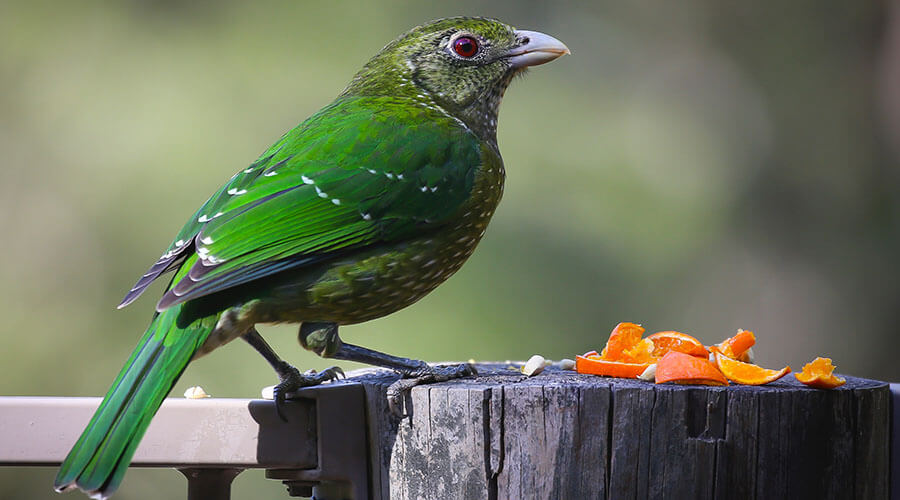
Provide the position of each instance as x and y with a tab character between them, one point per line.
389	277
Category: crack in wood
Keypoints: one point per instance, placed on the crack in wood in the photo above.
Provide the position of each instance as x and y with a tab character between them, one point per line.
562	435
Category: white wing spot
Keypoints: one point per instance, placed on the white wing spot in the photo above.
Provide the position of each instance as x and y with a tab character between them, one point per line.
366	216
389	175
270	174
248	170
203	218
423	188
322	194
179	243
400	176
336	201
433	189
236	191
218	214
307	180
372	170
206	240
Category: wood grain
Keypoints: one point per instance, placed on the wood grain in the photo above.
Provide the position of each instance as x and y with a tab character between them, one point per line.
562	435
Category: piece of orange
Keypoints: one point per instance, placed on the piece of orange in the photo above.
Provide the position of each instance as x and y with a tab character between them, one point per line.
664	342
642	352
736	347
819	373
594	365
746	373
686	369
623	337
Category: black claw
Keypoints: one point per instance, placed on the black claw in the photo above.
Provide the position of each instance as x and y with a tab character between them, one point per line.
424	375
292	380
279	404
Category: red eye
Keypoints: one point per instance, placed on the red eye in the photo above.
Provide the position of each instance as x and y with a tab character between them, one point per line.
465	46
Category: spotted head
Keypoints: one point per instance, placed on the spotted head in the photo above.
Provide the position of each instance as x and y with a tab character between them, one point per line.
461	65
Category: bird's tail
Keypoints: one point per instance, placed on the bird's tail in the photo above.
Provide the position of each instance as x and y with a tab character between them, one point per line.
100	457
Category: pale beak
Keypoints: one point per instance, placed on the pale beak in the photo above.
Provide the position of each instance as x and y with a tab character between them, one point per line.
537	48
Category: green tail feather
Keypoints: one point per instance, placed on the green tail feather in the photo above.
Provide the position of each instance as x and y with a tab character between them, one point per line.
100	457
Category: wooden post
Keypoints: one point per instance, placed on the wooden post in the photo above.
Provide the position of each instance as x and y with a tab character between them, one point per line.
564	435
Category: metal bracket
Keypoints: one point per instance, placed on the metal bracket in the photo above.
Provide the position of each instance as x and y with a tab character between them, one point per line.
209	484
341	472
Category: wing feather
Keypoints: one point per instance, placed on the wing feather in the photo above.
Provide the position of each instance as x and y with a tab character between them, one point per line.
349	177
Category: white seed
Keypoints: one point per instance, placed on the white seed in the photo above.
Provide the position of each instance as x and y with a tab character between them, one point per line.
564	364
649	374
195	392
534	365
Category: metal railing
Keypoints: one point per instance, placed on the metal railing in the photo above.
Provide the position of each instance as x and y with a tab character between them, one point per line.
320	449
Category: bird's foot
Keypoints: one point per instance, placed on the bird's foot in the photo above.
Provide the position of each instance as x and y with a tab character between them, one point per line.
292	380
424	375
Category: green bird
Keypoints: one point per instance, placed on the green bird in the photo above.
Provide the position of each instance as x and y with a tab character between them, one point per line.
359	211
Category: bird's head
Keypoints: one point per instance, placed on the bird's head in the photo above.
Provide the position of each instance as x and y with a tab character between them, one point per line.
463	65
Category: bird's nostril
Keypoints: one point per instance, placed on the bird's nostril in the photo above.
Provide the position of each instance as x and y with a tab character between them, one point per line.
525	40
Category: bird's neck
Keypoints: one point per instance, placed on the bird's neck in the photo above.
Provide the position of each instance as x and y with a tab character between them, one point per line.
478	116
481	114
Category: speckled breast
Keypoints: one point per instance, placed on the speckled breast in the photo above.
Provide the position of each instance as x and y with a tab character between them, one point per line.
387	278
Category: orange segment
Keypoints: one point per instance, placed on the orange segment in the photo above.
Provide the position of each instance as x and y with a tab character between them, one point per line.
623	337
736	347
747	374
686	369
597	366
642	352
819	373
664	342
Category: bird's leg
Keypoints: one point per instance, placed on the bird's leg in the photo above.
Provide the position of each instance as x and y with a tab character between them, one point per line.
290	379
322	338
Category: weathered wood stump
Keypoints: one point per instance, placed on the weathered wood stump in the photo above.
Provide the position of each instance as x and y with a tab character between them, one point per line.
569	436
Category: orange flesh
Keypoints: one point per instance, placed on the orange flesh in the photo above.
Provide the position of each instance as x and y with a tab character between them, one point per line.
747	374
623	337
737	346
819	373
676	341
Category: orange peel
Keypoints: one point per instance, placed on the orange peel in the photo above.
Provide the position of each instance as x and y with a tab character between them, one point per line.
737	346
595	365
746	373
819	373
686	369
664	342
623	337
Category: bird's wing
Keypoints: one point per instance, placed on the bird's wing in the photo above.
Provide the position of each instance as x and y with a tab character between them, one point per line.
360	172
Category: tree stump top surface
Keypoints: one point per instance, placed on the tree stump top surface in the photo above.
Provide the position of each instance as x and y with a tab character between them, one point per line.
561	434
497	374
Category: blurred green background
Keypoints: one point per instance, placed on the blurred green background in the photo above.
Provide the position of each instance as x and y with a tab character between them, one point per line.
699	166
